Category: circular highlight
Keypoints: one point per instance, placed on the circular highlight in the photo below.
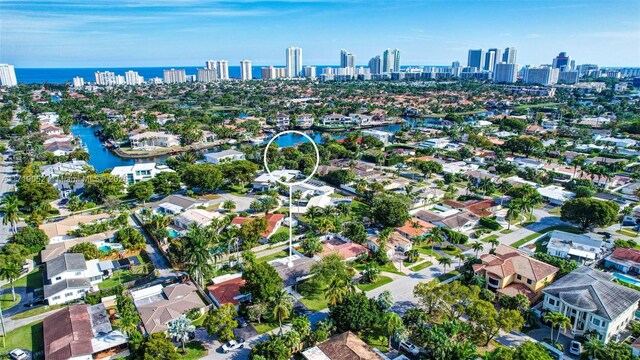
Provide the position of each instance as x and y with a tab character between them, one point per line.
315	168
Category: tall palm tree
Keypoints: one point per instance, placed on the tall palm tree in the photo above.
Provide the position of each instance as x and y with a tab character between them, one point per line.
282	303
10	271
392	324
477	247
335	290
504	186
494	243
512	214
564	323
460	258
445	262
437	236
10	209
594	348
180	329
197	247
554	318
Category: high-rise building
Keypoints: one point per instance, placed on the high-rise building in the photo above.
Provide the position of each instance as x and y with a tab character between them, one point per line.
8	75
543	75
491	58
268	72
572	65
210	64
396	60
569	77
174	76
347	59
388	61
587	69
562	61
120	80
375	65
245	70
310	72
455	68
509	56
105	78
223	70
294	62
505	73
207	75
476	59
78	82
133	78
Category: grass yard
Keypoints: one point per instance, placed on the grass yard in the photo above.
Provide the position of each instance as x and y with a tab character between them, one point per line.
7	302
199	321
359	209
376	340
420	266
237	190
28	337
195	350
119	277
489	238
569	229
265	326
626	232
315	302
427	250
37	311
278	255
32	280
382	280
452	251
388	267
506	231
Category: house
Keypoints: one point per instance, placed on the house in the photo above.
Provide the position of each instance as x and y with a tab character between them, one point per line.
336	119
54	250
282	120
81	332
345	346
437	143
68	277
342	247
384	136
66	138
593	302
482	208
226	290
624	259
139	172
299	270
555	195
414	228
265	181
66	290
458	167
511	272
58	231
59	148
194	216
454	219
222	156
159	305
59	169
581	248
304	121
175	204
49	129
153	139
478	176
274	221
48	118
395	242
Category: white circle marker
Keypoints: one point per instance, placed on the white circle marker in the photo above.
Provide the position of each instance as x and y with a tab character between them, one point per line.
291	184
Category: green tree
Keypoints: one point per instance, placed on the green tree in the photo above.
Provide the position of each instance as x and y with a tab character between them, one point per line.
356	312
252	231
594	348
10	271
166	182
204	176
35	190
487	322
588	212
282	303
33	239
197	246
89	250
158	347
390	211
10	205
221	322
273	348
261	281
229	205
130	238
310	245
356	232
100	187
141	191
391	325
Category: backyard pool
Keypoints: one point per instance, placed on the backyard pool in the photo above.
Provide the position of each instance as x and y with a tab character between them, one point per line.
173	233
627	279
107	246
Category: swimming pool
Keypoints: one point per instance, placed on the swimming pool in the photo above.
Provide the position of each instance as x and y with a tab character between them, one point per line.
107	247
627	279
174	234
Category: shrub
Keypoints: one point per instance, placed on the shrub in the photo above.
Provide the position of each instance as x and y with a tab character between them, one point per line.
455	237
490	223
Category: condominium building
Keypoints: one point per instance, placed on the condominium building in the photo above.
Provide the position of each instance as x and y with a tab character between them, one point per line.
562	61
210	65
541	75
505	73
133	78
310	72
105	78
347	59
175	76
245	70
294	62
491	58
391	61
78	82
569	77
223	70
375	65
476	59
207	75
8	75
509	55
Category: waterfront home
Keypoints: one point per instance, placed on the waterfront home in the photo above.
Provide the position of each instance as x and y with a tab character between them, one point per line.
58	138
195	216
81	332
511	272
555	195
282	120
581	248
49	129
361	119
139	172
593	302
624	260
265	181
159	305
50	118
58	231
58	169
437	143
341	347
60	148
304	121
226	290
336	119
223	156
384	136
153	139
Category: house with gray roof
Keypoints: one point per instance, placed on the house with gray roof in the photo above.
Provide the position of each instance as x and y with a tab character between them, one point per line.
581	248
593	302
68	277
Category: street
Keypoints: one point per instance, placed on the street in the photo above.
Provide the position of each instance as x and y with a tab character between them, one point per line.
6	186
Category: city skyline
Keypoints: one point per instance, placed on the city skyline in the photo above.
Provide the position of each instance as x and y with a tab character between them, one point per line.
152	33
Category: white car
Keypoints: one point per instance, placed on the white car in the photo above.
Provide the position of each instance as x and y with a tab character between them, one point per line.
18	354
409	347
232	345
575	348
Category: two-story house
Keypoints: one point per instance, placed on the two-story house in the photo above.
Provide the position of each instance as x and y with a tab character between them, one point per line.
69	277
581	248
593	302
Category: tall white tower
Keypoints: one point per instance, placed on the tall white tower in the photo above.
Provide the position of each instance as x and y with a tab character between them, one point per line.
245	70
8	75
294	62
223	70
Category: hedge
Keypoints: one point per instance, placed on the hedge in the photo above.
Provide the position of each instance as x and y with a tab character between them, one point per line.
490	223
455	237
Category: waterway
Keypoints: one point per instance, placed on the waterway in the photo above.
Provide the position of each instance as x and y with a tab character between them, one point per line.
102	159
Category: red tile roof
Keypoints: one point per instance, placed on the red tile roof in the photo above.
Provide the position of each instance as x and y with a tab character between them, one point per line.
626	254
67	333
408	229
226	291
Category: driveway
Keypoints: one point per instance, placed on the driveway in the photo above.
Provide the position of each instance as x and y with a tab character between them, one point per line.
26	295
242	202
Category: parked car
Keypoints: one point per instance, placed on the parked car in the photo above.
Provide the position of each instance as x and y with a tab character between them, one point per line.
63	201
607	235
409	347
242	323
232	345
35	301
18	354
575	348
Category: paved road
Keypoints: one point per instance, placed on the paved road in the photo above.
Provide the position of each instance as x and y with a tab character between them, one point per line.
6	186
162	265
26	295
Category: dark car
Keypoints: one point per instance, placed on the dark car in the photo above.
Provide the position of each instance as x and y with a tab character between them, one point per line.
64	201
35	301
605	234
242	323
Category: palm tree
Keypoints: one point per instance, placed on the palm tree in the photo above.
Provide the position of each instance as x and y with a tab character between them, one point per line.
180	329
512	214
229	205
282	303
494	243
335	290
314	212
10	271
461	258
445	262
564	323
437	236
392	325
594	348
477	247
197	247
551	317
324	225
504	186
10	209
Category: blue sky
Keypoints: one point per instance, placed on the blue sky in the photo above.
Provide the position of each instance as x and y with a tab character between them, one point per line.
110	33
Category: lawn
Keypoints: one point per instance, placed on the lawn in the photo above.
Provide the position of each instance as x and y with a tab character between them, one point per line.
376	340
420	266
382	280
119	277
489	238
36	311
315	302
506	231
448	275
452	251
569	229
264	326
359	209
277	255
627	233
427	250
237	190
7	302
32	280
28	337
388	267
199	321
195	350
